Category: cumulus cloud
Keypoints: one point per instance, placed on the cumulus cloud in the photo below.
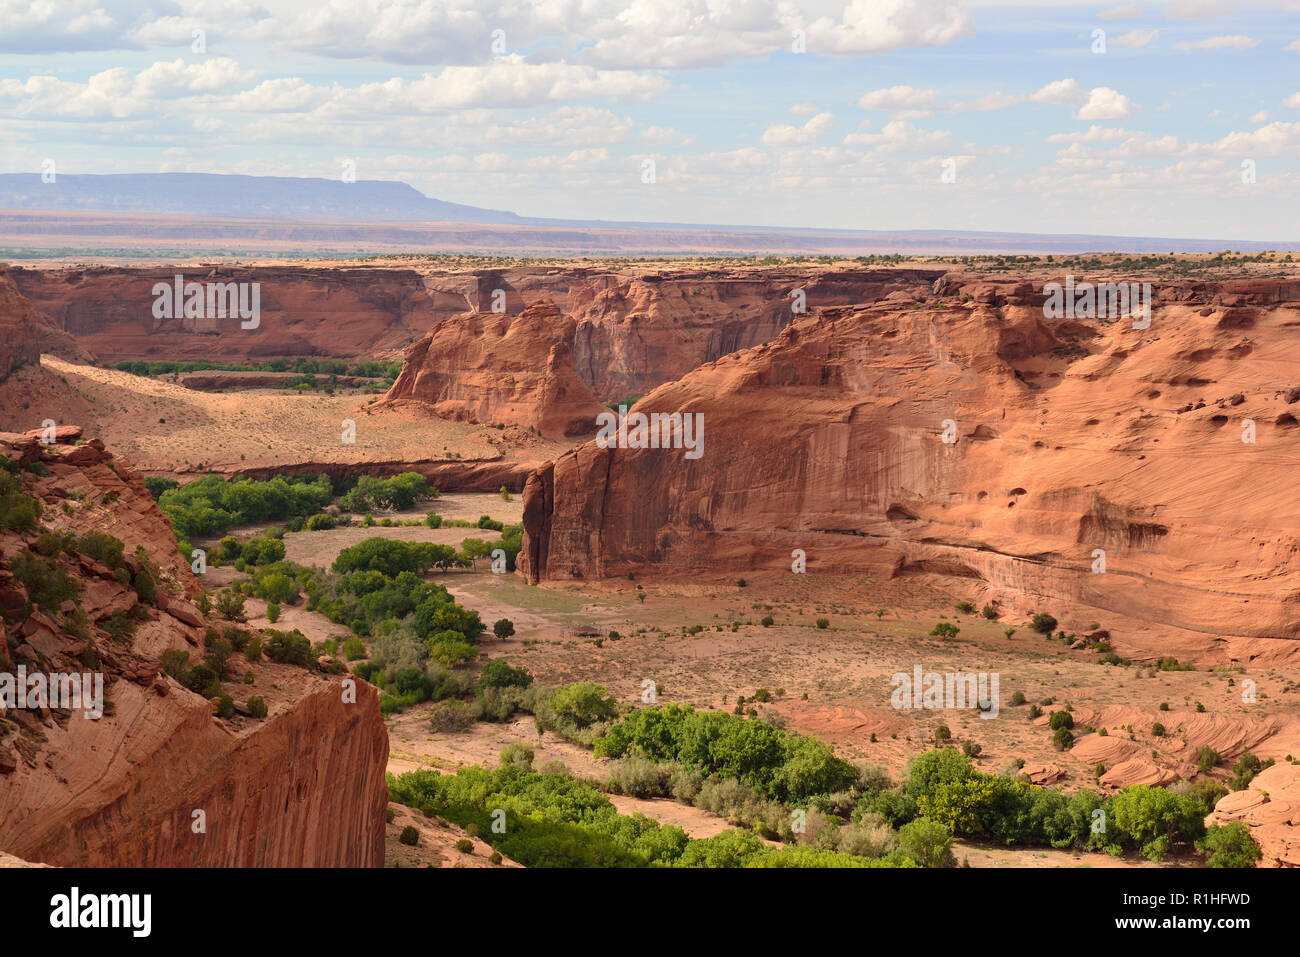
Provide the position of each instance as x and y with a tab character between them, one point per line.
1124	12
900	136
879	26
1060	92
1106	104
785	135
1099	103
1234	42
1135	38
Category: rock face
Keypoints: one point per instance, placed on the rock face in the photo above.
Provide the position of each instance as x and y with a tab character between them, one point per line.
1077	444
303	787
489	368
632	329
340	313
1270	807
25	332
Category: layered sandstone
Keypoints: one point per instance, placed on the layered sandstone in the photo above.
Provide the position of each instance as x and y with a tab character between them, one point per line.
1075	440
303	787
488	368
633	328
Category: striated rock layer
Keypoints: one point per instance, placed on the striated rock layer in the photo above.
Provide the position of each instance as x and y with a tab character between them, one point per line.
1076	442
302	787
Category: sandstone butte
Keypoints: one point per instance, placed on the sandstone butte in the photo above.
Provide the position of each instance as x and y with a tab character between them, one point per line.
303	787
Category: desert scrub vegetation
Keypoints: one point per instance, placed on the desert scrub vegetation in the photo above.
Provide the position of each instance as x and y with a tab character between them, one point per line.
554	820
775	763
943	786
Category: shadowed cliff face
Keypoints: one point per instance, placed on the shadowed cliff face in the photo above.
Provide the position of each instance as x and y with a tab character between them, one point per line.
1074	439
302	787
25	332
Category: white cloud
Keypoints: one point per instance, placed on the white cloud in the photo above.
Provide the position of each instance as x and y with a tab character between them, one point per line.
1135	38
898	98
879	26
1106	104
1124	12
177	78
1235	42
1293	101
804	109
1260	117
1061	92
899	136
785	135
1198	9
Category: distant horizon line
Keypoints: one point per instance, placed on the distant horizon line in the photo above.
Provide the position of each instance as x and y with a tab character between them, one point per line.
558	222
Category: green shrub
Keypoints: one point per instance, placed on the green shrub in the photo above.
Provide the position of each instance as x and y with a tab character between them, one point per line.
272	612
289	647
503	628
1060	719
1229	845
257	707
823	623
1043	623
498	674
409	836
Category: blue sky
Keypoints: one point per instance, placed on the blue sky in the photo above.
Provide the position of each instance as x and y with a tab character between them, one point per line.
852	129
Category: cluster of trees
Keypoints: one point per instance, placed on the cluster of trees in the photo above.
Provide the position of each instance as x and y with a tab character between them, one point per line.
943	786
399	492
774	763
376	589
371	369
210	505
554	820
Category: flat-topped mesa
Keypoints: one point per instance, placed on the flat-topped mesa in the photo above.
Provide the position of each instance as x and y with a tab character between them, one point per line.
157	779
966	434
491	368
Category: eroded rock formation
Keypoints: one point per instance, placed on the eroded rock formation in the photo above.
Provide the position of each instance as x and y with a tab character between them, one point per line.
302	787
1075	441
489	368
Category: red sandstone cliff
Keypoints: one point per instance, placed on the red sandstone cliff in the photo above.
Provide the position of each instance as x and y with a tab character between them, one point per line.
1072	435
633	328
25	332
302	787
489	368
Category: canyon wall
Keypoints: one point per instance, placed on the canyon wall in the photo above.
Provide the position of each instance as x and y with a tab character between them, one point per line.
25	332
1073	440
488	368
302	787
633	328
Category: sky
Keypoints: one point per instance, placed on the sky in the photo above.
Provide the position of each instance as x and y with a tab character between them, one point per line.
1179	118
